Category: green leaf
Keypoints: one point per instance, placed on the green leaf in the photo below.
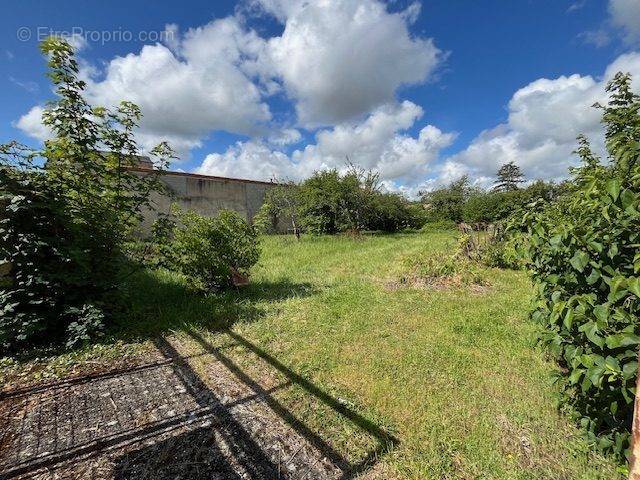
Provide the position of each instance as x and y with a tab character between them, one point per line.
627	198
579	260
601	312
613	188
629	370
617	289
568	319
593	277
575	376
622	340
596	375
590	329
613	407
597	246
612	364
556	240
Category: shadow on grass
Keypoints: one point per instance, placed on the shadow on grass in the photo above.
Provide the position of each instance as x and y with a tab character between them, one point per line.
158	301
385	441
177	443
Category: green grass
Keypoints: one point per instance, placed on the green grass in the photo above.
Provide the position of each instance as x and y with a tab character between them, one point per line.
453	374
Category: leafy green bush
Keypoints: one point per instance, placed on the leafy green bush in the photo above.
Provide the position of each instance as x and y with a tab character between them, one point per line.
69	208
446	203
209	250
438	225
390	212
156	250
321	202
503	251
281	207
330	203
494	206
583	254
48	275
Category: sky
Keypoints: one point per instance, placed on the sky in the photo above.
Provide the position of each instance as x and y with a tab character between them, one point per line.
421	91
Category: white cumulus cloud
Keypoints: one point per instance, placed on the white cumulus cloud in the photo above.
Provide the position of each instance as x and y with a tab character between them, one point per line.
545	117
31	124
379	142
337	60
340	59
197	86
192	90
625	14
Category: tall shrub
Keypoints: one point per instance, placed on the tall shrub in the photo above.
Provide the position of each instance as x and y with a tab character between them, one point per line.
69	208
323	198
330	202
583	254
209	251
446	203
281	206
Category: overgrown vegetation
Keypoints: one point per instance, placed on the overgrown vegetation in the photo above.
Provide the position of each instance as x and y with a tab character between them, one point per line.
456	377
435	270
210	251
583	253
68	209
460	201
329	202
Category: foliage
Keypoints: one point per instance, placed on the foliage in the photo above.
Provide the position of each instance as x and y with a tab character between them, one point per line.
391	212
438	225
504	251
47	274
69	208
443	270
281	204
461	267
493	247
464	365
583	254
156	250
486	207
209	250
461	202
446	203
509	177
330	203
494	206
325	200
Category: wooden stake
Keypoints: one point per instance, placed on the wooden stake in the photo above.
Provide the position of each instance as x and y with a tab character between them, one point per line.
634	460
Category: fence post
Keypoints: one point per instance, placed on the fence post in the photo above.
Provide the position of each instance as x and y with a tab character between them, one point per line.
634	460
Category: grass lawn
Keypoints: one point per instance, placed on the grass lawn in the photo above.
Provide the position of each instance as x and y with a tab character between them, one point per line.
452	374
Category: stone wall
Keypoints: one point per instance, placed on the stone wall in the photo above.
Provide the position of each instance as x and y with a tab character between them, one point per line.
207	195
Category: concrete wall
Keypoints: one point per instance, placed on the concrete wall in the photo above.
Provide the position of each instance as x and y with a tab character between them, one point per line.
207	196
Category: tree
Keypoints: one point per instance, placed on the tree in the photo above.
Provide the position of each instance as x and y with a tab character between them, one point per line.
582	252
281	204
446	203
509	176
62	232
361	189
329	202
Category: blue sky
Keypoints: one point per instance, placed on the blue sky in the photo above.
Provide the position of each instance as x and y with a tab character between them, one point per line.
421	91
